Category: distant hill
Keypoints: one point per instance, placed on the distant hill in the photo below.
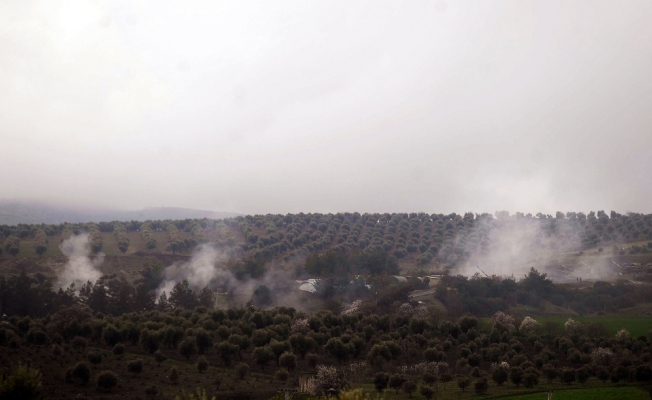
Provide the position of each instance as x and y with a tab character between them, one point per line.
15	212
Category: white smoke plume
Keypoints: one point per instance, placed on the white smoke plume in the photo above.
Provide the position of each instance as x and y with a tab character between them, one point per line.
510	246
209	267
80	267
205	267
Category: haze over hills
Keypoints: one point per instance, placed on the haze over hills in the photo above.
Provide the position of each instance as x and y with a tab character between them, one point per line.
20	212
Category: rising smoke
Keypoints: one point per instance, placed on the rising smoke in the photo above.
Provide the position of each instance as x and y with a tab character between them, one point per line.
205	268
511	246
80	267
209	267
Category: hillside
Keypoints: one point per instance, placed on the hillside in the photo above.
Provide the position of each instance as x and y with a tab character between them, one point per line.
16	212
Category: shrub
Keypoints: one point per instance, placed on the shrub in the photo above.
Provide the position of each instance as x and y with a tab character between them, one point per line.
151	390
312	359
119	349
463	382
82	372
79	343
94	357
288	360
150	340
242	369
111	335
409	387
202	364
37	336
427	391
23	383
396	382
174	375
567	375
187	348
159	357
481	386
282	374
135	366
381	380
107	380
57	350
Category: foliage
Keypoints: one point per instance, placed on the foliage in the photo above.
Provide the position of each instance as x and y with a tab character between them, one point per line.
107	380
24	383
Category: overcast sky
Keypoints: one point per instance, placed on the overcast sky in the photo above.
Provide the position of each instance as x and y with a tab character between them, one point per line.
325	106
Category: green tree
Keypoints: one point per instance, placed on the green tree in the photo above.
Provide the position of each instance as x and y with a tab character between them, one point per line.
463	382
187	348
227	351
427	391
150	340
263	355
288	361
381	379
409	387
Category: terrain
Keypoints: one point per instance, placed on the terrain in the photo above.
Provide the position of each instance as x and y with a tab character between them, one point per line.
428	299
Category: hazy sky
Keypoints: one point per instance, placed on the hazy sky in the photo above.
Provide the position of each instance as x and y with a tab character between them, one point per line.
325	106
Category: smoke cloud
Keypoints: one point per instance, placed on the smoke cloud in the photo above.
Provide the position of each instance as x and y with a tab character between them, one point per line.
511	246
205	268
80	267
209	267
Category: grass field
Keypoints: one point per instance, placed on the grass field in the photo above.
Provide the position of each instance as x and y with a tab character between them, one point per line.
603	393
593	390
637	326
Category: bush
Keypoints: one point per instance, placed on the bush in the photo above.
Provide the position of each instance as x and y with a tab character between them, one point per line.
94	357
463	382
282	375
111	335
427	391
288	360
312	359
567	375
135	366
79	343
381	380
202	364
187	348
174	375
107	380
82	372
23	383
481	386
159	357
395	382
57	350
119	349
151	390
242	370
37	336
409	387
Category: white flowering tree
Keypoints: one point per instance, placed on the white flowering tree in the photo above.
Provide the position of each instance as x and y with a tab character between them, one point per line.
327	378
623	335
300	325
529	325
573	327
602	356
504	321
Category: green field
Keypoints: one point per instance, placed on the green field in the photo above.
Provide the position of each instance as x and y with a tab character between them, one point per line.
637	326
604	393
